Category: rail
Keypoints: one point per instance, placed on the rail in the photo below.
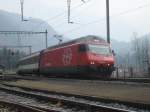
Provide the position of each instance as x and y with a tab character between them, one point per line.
72	101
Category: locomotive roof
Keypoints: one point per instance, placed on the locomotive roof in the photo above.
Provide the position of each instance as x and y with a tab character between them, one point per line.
80	40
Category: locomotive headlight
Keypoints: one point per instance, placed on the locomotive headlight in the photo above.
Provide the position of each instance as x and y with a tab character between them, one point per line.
108	64
92	63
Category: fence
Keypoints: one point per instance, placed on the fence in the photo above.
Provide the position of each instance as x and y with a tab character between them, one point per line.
131	72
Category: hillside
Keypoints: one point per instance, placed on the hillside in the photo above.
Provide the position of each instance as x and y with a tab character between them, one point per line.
12	22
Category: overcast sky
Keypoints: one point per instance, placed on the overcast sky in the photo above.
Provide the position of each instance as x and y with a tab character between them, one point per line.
127	16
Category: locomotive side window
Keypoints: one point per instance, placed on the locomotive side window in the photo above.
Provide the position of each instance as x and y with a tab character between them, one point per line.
83	48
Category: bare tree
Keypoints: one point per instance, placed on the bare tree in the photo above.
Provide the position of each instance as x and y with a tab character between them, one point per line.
136	49
141	47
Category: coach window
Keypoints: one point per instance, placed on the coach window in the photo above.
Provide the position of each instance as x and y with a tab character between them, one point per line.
23	62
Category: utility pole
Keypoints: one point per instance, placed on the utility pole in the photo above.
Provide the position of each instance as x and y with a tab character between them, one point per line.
69	10
46	43
22	2
30	49
22	10
108	21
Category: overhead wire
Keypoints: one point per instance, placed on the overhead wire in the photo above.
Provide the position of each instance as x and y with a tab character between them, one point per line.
74	22
113	16
58	15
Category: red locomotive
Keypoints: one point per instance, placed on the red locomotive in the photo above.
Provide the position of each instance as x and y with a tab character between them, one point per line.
88	56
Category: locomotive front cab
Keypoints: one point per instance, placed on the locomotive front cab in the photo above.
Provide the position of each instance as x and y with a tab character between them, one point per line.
97	57
97	53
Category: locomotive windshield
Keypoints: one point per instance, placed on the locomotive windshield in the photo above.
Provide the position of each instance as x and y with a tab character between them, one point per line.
100	49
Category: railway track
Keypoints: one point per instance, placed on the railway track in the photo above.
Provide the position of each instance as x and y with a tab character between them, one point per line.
74	103
127	80
136	80
9	106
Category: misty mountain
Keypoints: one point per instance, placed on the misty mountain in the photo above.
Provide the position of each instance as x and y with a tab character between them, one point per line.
12	22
